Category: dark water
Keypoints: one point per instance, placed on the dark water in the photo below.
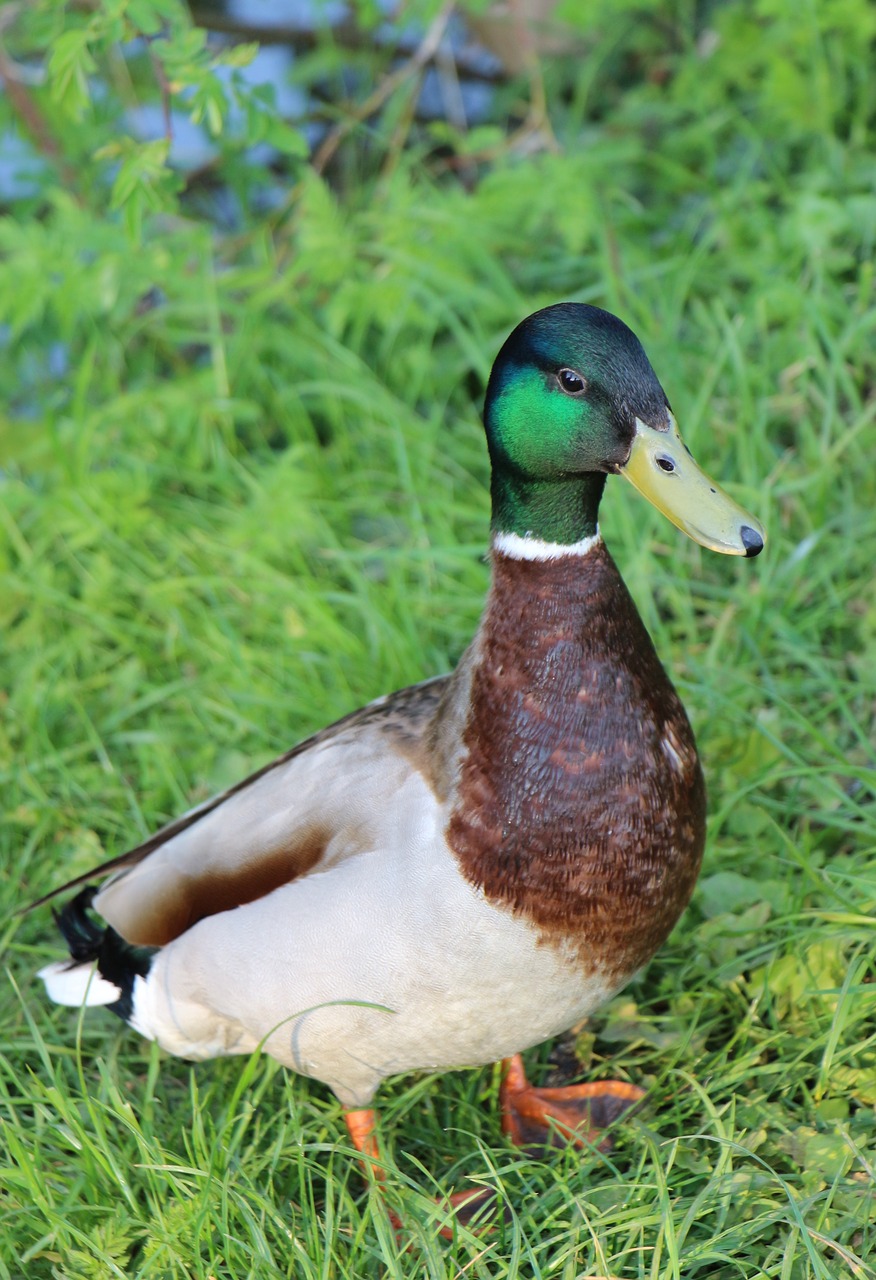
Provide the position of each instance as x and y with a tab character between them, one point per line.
458	86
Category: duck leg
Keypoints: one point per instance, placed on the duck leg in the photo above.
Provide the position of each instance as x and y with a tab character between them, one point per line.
577	1113
362	1126
531	1117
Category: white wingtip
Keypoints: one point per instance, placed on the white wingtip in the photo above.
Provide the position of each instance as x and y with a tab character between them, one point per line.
77	984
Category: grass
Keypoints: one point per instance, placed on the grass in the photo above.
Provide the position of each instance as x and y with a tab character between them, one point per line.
250	494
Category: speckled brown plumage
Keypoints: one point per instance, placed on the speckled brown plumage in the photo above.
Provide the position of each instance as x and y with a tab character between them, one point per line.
580	801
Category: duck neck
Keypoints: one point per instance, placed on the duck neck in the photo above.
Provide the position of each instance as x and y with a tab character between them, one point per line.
561	511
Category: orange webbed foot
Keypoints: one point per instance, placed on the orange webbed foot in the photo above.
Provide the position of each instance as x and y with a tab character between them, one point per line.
532	1118
475	1209
578	1113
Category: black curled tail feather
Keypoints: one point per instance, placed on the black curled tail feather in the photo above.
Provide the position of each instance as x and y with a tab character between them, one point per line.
117	960
82	935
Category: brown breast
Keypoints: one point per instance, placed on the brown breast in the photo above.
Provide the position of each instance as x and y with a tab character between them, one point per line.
580	800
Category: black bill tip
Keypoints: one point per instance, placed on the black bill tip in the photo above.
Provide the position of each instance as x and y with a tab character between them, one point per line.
751	540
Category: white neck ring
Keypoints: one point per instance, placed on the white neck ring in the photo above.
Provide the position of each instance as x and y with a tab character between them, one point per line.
531	548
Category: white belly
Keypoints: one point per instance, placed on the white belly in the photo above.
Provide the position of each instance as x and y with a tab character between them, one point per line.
457	981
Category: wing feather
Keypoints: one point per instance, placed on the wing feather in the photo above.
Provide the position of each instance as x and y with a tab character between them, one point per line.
280	822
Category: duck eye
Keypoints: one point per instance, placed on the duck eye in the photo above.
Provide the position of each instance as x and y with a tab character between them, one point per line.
571	382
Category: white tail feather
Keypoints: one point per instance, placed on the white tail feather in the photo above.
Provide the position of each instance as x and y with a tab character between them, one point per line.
77	984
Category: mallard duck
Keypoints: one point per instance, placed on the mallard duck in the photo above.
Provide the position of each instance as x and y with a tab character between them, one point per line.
471	865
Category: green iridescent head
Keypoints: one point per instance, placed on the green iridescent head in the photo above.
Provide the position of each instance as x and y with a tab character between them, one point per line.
572	398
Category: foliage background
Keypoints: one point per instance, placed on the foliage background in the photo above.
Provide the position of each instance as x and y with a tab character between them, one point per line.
243	490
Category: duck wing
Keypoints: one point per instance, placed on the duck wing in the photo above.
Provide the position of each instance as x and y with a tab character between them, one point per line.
306	810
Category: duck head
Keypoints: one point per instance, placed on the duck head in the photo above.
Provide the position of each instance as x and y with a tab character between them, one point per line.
572	399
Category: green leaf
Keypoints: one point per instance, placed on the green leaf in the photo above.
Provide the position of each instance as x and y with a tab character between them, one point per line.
288	141
70	64
238	55
823	1155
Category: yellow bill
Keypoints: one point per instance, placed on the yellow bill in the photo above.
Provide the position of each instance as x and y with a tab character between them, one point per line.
662	469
